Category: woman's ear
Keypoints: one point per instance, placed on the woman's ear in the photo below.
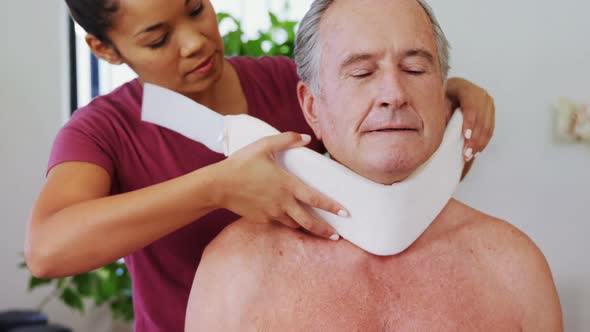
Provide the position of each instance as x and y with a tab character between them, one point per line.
307	103
103	50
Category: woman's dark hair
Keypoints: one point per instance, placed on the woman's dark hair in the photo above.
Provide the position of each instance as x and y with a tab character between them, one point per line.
95	16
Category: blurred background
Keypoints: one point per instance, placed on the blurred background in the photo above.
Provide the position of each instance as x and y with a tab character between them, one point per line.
532	56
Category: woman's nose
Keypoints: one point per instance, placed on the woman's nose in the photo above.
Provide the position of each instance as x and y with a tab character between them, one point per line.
191	42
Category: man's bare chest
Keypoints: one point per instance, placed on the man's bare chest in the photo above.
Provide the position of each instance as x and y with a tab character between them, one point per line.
441	292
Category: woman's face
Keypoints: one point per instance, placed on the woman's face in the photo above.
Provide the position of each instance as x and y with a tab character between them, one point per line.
172	43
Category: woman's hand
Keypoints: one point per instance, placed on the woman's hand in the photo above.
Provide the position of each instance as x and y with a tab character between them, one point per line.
478	114
252	185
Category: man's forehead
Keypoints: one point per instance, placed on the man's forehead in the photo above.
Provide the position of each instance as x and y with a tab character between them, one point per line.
358	29
350	9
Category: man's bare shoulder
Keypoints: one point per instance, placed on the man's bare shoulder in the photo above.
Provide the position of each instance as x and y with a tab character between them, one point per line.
235	251
232	268
512	258
489	236
496	242
259	250
243	238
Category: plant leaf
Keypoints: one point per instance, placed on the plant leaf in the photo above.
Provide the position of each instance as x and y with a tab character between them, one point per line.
274	21
36	282
84	284
72	299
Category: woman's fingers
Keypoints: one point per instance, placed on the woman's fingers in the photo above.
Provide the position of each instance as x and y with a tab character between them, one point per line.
470	117
304	218
284	141
288	221
314	198
479	123
266	192
470	131
478	110
301	191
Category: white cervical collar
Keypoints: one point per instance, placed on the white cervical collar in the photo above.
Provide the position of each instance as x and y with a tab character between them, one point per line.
385	219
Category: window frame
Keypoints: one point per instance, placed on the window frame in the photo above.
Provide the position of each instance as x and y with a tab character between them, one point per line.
73	65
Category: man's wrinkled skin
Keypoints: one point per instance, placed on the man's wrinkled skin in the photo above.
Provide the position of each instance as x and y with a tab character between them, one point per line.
467	272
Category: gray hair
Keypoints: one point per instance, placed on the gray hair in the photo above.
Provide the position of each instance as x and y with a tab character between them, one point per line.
308	48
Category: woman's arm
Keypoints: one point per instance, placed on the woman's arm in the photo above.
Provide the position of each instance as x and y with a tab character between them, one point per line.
478	114
75	226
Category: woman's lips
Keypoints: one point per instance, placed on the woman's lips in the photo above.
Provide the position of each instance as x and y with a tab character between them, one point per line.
204	68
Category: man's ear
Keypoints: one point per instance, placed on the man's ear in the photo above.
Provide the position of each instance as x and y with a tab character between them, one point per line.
306	101
105	51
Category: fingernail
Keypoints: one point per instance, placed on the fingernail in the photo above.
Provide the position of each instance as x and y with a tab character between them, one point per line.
468	133
343	213
335	237
305	137
476	155
469	153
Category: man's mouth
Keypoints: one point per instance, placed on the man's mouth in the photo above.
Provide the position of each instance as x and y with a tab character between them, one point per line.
396	130
387	130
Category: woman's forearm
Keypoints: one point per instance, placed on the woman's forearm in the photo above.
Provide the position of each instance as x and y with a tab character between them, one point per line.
93	233
454	89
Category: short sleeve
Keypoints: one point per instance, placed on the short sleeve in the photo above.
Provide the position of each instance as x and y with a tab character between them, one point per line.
86	137
289	67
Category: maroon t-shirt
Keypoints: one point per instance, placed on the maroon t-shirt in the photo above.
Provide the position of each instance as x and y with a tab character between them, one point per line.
109	132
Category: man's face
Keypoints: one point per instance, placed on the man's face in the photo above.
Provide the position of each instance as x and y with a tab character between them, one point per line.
381	106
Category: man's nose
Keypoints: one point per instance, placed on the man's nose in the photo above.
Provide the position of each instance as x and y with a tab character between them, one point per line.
191	41
392	91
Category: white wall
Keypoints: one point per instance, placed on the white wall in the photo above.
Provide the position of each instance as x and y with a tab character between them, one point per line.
33	100
528	53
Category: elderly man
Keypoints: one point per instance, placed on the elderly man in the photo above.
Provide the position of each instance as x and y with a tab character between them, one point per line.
373	76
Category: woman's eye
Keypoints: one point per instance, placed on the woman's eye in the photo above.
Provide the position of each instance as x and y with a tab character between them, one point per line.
198	10
159	43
